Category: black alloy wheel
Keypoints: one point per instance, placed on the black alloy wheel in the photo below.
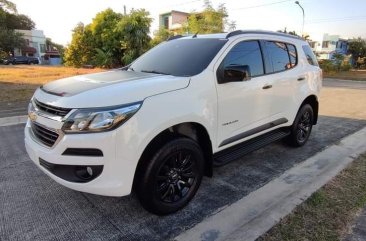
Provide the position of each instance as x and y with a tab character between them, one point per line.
176	176
169	178
302	126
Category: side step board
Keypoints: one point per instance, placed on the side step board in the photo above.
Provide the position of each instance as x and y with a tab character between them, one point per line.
232	153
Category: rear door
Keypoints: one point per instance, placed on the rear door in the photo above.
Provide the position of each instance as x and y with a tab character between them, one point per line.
281	64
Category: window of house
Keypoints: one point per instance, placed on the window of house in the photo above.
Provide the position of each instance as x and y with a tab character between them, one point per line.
279	55
166	22
27	41
42	48
325	44
246	53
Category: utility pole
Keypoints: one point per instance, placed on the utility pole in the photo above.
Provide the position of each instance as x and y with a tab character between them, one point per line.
124	9
303	17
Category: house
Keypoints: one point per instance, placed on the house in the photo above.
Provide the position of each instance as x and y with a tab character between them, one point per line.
328	45
36	46
173	20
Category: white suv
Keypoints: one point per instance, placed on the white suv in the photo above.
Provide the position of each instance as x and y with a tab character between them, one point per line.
161	123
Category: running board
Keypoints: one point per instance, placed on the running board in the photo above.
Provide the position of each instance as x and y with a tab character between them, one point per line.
235	152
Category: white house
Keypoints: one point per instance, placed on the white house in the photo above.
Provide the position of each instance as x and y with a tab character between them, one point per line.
36	43
326	45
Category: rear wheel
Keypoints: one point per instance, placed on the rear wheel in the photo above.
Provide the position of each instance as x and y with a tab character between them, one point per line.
170	179
303	124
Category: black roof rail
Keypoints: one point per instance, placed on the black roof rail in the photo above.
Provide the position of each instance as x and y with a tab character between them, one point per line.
239	32
175	37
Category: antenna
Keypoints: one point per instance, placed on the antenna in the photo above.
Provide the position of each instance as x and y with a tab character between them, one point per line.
195	35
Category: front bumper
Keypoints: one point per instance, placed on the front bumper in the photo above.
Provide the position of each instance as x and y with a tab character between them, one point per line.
117	175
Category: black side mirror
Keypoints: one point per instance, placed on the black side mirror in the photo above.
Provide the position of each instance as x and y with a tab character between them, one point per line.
235	73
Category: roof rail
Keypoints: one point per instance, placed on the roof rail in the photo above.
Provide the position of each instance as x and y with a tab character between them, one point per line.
174	37
239	32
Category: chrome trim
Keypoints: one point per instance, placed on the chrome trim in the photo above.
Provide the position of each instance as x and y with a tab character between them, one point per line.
34	138
50	116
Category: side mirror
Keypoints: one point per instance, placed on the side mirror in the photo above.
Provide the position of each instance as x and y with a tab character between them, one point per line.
235	73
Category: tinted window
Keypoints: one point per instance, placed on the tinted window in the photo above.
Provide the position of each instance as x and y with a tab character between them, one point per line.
279	55
246	53
181	57
293	54
310	55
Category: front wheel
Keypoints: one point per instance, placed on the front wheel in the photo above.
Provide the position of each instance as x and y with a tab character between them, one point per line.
170	179
301	129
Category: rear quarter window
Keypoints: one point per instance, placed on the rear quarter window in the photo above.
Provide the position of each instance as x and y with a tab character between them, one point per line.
310	55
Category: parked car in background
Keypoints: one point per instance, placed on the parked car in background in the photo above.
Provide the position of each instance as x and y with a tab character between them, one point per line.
158	125
21	60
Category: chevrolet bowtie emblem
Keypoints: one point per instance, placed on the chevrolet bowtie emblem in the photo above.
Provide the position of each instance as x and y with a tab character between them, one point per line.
32	116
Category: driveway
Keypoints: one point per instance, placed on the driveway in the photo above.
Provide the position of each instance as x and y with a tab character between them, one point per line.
33	207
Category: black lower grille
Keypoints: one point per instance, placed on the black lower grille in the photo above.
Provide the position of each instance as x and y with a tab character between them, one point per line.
44	135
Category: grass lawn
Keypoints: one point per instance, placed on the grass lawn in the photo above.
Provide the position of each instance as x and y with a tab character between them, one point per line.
348	75
328	214
18	83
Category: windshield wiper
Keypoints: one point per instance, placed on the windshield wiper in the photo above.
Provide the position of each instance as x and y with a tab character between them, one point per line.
154	72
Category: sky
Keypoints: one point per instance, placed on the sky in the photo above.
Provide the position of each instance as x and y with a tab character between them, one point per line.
346	18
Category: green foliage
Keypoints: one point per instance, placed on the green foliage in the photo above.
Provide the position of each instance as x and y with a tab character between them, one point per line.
79	52
160	36
112	39
357	47
55	46
338	63
9	39
9	21
210	20
134	29
8	6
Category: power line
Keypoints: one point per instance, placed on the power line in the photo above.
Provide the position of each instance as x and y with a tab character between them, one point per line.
326	20
262	5
184	3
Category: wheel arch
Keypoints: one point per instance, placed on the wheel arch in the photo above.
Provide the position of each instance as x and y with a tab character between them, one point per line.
312	100
192	130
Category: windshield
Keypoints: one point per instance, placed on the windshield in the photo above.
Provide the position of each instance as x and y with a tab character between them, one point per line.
181	57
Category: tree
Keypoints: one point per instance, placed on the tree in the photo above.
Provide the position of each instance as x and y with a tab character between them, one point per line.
210	20
357	47
134	29
9	40
19	21
160	36
112	39
9	21
8	6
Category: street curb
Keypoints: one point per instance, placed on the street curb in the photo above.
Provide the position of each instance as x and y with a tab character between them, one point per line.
253	215
13	120
344	80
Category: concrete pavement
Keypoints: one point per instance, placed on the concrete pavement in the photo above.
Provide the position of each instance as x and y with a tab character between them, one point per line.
33	207
253	215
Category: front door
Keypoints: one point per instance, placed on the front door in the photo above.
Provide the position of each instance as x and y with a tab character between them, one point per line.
244	106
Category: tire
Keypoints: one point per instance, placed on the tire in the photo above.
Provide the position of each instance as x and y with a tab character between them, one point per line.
302	126
171	178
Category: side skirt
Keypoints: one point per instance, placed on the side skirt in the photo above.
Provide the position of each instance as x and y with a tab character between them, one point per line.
235	152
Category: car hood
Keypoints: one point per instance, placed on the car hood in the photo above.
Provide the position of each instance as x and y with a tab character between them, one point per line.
107	88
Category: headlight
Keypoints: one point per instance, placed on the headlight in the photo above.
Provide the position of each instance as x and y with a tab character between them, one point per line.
99	119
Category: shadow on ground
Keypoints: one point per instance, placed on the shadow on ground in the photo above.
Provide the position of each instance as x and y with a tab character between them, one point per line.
33	207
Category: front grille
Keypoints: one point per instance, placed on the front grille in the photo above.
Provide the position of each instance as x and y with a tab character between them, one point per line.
52	109
44	135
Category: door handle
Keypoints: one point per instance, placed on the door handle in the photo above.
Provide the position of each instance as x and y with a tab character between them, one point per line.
301	79
266	87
